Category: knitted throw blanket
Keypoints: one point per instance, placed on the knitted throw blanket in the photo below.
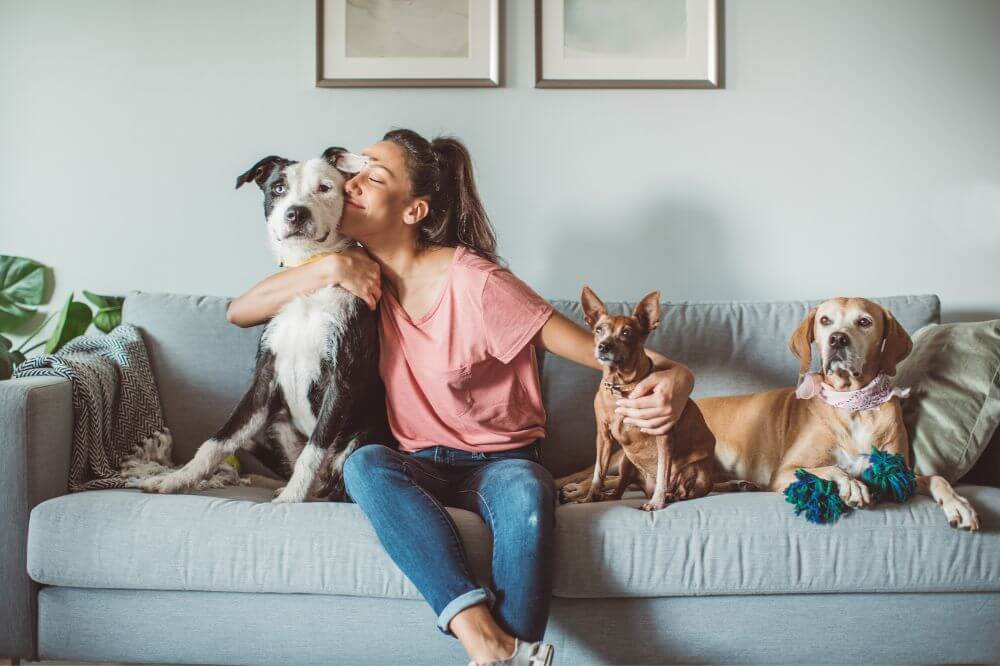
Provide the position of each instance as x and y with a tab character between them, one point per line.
119	436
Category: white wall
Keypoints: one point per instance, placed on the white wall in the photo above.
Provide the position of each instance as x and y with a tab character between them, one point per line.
855	150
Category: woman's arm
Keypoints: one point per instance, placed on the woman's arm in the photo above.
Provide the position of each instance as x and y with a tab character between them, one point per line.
655	404
352	269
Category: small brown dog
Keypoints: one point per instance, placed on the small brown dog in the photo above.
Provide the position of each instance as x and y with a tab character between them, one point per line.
671	467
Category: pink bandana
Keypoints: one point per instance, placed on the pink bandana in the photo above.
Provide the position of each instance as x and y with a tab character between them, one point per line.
878	392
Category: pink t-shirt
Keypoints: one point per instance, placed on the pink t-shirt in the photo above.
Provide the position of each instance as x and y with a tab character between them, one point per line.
464	374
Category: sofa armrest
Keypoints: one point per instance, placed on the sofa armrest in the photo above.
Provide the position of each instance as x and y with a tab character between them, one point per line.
36	433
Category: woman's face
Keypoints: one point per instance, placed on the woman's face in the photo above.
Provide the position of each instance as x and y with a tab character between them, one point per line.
377	199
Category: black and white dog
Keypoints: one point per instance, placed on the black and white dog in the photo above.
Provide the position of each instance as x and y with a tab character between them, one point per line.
316	385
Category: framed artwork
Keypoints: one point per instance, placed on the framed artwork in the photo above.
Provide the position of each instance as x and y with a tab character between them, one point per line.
424	43
628	43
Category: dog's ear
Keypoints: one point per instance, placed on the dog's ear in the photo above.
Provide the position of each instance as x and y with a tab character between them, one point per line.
648	311
262	170
801	342
593	307
345	161
896	343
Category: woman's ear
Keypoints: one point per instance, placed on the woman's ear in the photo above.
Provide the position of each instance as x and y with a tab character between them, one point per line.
801	342
897	344
416	211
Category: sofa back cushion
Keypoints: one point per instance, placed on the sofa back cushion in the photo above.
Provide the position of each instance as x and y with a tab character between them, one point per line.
732	348
203	364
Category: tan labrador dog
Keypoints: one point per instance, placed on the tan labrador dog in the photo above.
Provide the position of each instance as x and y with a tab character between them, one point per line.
762	438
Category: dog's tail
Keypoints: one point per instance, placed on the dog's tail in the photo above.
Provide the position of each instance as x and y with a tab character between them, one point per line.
575	477
736	486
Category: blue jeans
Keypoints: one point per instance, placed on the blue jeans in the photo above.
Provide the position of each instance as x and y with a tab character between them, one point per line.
403	495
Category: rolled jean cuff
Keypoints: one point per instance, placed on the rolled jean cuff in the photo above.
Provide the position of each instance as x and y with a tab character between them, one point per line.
460	603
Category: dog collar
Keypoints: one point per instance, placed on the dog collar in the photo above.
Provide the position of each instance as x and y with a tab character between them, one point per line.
315	257
875	394
624	389
620	389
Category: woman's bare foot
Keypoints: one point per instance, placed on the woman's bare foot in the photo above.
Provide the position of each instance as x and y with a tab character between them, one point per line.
480	635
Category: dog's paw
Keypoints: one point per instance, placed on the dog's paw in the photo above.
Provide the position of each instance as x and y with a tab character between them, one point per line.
168	484
854	493
278	491
653	505
286	497
588	498
570	492
960	513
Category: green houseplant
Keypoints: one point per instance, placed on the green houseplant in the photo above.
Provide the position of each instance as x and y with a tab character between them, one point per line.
24	285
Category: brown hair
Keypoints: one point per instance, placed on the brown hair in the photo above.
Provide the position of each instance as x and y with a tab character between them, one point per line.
441	170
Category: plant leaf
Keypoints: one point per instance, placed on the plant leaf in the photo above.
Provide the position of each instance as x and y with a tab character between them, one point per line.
13	314
22	285
109	313
96	299
22	279
74	319
6	358
107	319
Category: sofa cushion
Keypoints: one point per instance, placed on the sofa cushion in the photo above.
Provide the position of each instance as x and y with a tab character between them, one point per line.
731	347
202	363
954	406
227	540
750	543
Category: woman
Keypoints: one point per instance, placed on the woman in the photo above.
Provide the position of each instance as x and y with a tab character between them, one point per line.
463	395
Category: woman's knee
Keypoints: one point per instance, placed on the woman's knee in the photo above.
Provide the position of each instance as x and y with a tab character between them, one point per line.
526	495
364	465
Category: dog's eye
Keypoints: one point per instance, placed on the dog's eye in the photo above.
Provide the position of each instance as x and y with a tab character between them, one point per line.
825	321
324	188
278	189
626	333
864	322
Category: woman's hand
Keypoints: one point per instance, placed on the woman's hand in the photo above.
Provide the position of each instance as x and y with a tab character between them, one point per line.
356	272
656	403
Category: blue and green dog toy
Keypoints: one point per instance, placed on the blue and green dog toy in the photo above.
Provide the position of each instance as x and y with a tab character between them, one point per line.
887	476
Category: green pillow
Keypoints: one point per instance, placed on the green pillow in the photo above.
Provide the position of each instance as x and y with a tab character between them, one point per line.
954	405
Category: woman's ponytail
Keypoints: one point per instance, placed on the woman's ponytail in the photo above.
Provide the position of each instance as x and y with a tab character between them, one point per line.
442	171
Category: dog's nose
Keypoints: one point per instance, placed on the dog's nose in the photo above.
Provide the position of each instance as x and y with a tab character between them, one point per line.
297	215
838	340
603	347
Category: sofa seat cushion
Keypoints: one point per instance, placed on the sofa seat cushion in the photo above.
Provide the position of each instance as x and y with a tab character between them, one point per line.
752	543
234	540
227	540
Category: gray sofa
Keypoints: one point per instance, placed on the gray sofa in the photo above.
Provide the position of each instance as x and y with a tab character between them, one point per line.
224	577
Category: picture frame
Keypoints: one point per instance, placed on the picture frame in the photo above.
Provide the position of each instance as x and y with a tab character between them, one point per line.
661	44
390	43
